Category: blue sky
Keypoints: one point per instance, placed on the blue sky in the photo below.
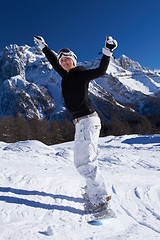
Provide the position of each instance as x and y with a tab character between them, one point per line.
83	25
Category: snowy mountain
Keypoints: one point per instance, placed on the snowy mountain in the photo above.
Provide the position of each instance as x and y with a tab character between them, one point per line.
30	86
41	193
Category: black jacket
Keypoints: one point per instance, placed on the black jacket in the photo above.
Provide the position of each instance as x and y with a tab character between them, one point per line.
75	84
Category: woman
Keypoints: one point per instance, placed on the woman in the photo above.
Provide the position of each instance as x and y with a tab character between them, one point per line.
75	82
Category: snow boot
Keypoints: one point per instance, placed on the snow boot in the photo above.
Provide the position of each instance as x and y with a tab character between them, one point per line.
92	208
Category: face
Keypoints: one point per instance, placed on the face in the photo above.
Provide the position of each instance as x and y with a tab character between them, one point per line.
67	63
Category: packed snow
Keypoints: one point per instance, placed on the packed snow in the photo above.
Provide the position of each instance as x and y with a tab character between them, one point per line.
41	193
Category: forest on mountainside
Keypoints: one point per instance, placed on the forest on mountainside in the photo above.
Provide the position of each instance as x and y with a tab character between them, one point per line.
58	131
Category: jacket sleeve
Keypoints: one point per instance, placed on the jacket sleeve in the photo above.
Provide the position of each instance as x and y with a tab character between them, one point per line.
52	58
91	74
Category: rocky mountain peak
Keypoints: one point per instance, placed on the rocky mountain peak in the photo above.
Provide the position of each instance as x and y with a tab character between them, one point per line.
29	85
127	64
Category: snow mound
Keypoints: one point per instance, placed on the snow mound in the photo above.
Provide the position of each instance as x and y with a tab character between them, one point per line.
41	191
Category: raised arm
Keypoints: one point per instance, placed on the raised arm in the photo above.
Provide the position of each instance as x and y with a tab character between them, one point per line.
110	45
52	58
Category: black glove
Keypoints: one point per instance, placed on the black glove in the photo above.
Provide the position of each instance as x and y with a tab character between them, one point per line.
110	45
40	42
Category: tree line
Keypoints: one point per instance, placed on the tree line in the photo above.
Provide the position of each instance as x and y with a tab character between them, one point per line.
50	132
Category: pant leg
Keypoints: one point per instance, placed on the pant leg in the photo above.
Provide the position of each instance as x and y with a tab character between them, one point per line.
85	156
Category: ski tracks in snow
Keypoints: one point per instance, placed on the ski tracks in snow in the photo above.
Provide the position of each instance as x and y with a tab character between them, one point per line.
136	175
41	191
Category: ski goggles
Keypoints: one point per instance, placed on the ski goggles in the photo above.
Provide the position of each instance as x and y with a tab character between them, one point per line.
65	52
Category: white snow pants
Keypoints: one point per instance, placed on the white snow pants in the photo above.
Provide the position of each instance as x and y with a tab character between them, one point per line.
85	154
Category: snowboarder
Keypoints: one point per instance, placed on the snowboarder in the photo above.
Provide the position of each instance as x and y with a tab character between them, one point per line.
75	83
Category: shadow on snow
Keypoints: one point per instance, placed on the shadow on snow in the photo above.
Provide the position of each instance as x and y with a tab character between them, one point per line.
152	139
30	203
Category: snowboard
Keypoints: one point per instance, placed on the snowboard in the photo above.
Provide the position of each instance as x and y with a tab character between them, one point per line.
99	218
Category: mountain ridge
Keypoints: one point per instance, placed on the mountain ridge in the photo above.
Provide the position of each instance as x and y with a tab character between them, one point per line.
29	85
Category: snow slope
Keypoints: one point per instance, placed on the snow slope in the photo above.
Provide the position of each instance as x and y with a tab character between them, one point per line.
41	191
29	85
130	75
